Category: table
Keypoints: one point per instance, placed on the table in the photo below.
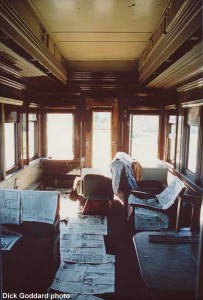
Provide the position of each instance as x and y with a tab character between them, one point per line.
166	266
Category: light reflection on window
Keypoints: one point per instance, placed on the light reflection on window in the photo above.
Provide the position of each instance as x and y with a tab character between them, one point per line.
60	136
31	139
192	148
101	140
144	137
9	145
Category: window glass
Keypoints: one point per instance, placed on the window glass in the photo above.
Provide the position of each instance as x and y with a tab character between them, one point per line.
171	139
32	136
24	137
31	139
101	140
60	136
9	145
192	148
144	131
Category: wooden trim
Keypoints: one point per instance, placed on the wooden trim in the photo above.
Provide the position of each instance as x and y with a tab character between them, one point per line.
180	30
15	27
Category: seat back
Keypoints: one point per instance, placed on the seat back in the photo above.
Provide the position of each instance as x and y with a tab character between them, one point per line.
95	184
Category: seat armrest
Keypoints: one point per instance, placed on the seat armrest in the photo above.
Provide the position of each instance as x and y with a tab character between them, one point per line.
142	194
154	208
153	191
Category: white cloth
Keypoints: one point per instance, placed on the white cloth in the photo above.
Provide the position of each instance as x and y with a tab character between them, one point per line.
120	161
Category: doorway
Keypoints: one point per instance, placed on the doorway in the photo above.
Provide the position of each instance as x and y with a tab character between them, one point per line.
101	139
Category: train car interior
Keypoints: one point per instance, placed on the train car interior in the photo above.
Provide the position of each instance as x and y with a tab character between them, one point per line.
101	149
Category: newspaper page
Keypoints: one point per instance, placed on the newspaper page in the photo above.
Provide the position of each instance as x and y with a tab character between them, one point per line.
87	223
8	238
73	267
39	206
71	240
89	220
10	207
82	288
146	219
84	274
168	196
86	255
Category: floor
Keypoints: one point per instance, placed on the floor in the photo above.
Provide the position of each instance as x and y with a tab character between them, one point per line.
128	281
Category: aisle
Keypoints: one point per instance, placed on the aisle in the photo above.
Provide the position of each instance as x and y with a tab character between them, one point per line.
118	242
86	268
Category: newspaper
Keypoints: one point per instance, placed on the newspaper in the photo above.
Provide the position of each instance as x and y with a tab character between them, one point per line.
70	240
146	219
8	238
89	220
82	288
86	224
39	206
86	255
10	207
85	274
73	267
168	196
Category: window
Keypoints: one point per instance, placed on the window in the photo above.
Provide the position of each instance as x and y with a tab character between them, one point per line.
144	131
11	140
10	154
192	146
101	139
60	135
171	139
33	136
30	147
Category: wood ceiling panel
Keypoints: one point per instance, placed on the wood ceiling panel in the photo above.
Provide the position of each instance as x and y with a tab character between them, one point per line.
182	70
114	24
139	37
101	51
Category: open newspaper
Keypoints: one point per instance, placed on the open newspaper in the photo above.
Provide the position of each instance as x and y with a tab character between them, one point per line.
169	195
86	224
146	219
10	207
8	238
71	240
85	278
39	206
25	205
165	198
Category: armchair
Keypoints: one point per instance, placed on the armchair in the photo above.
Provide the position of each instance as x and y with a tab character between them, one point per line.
147	211
96	184
97	189
146	188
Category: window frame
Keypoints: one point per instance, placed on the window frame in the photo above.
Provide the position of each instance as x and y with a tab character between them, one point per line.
197	176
